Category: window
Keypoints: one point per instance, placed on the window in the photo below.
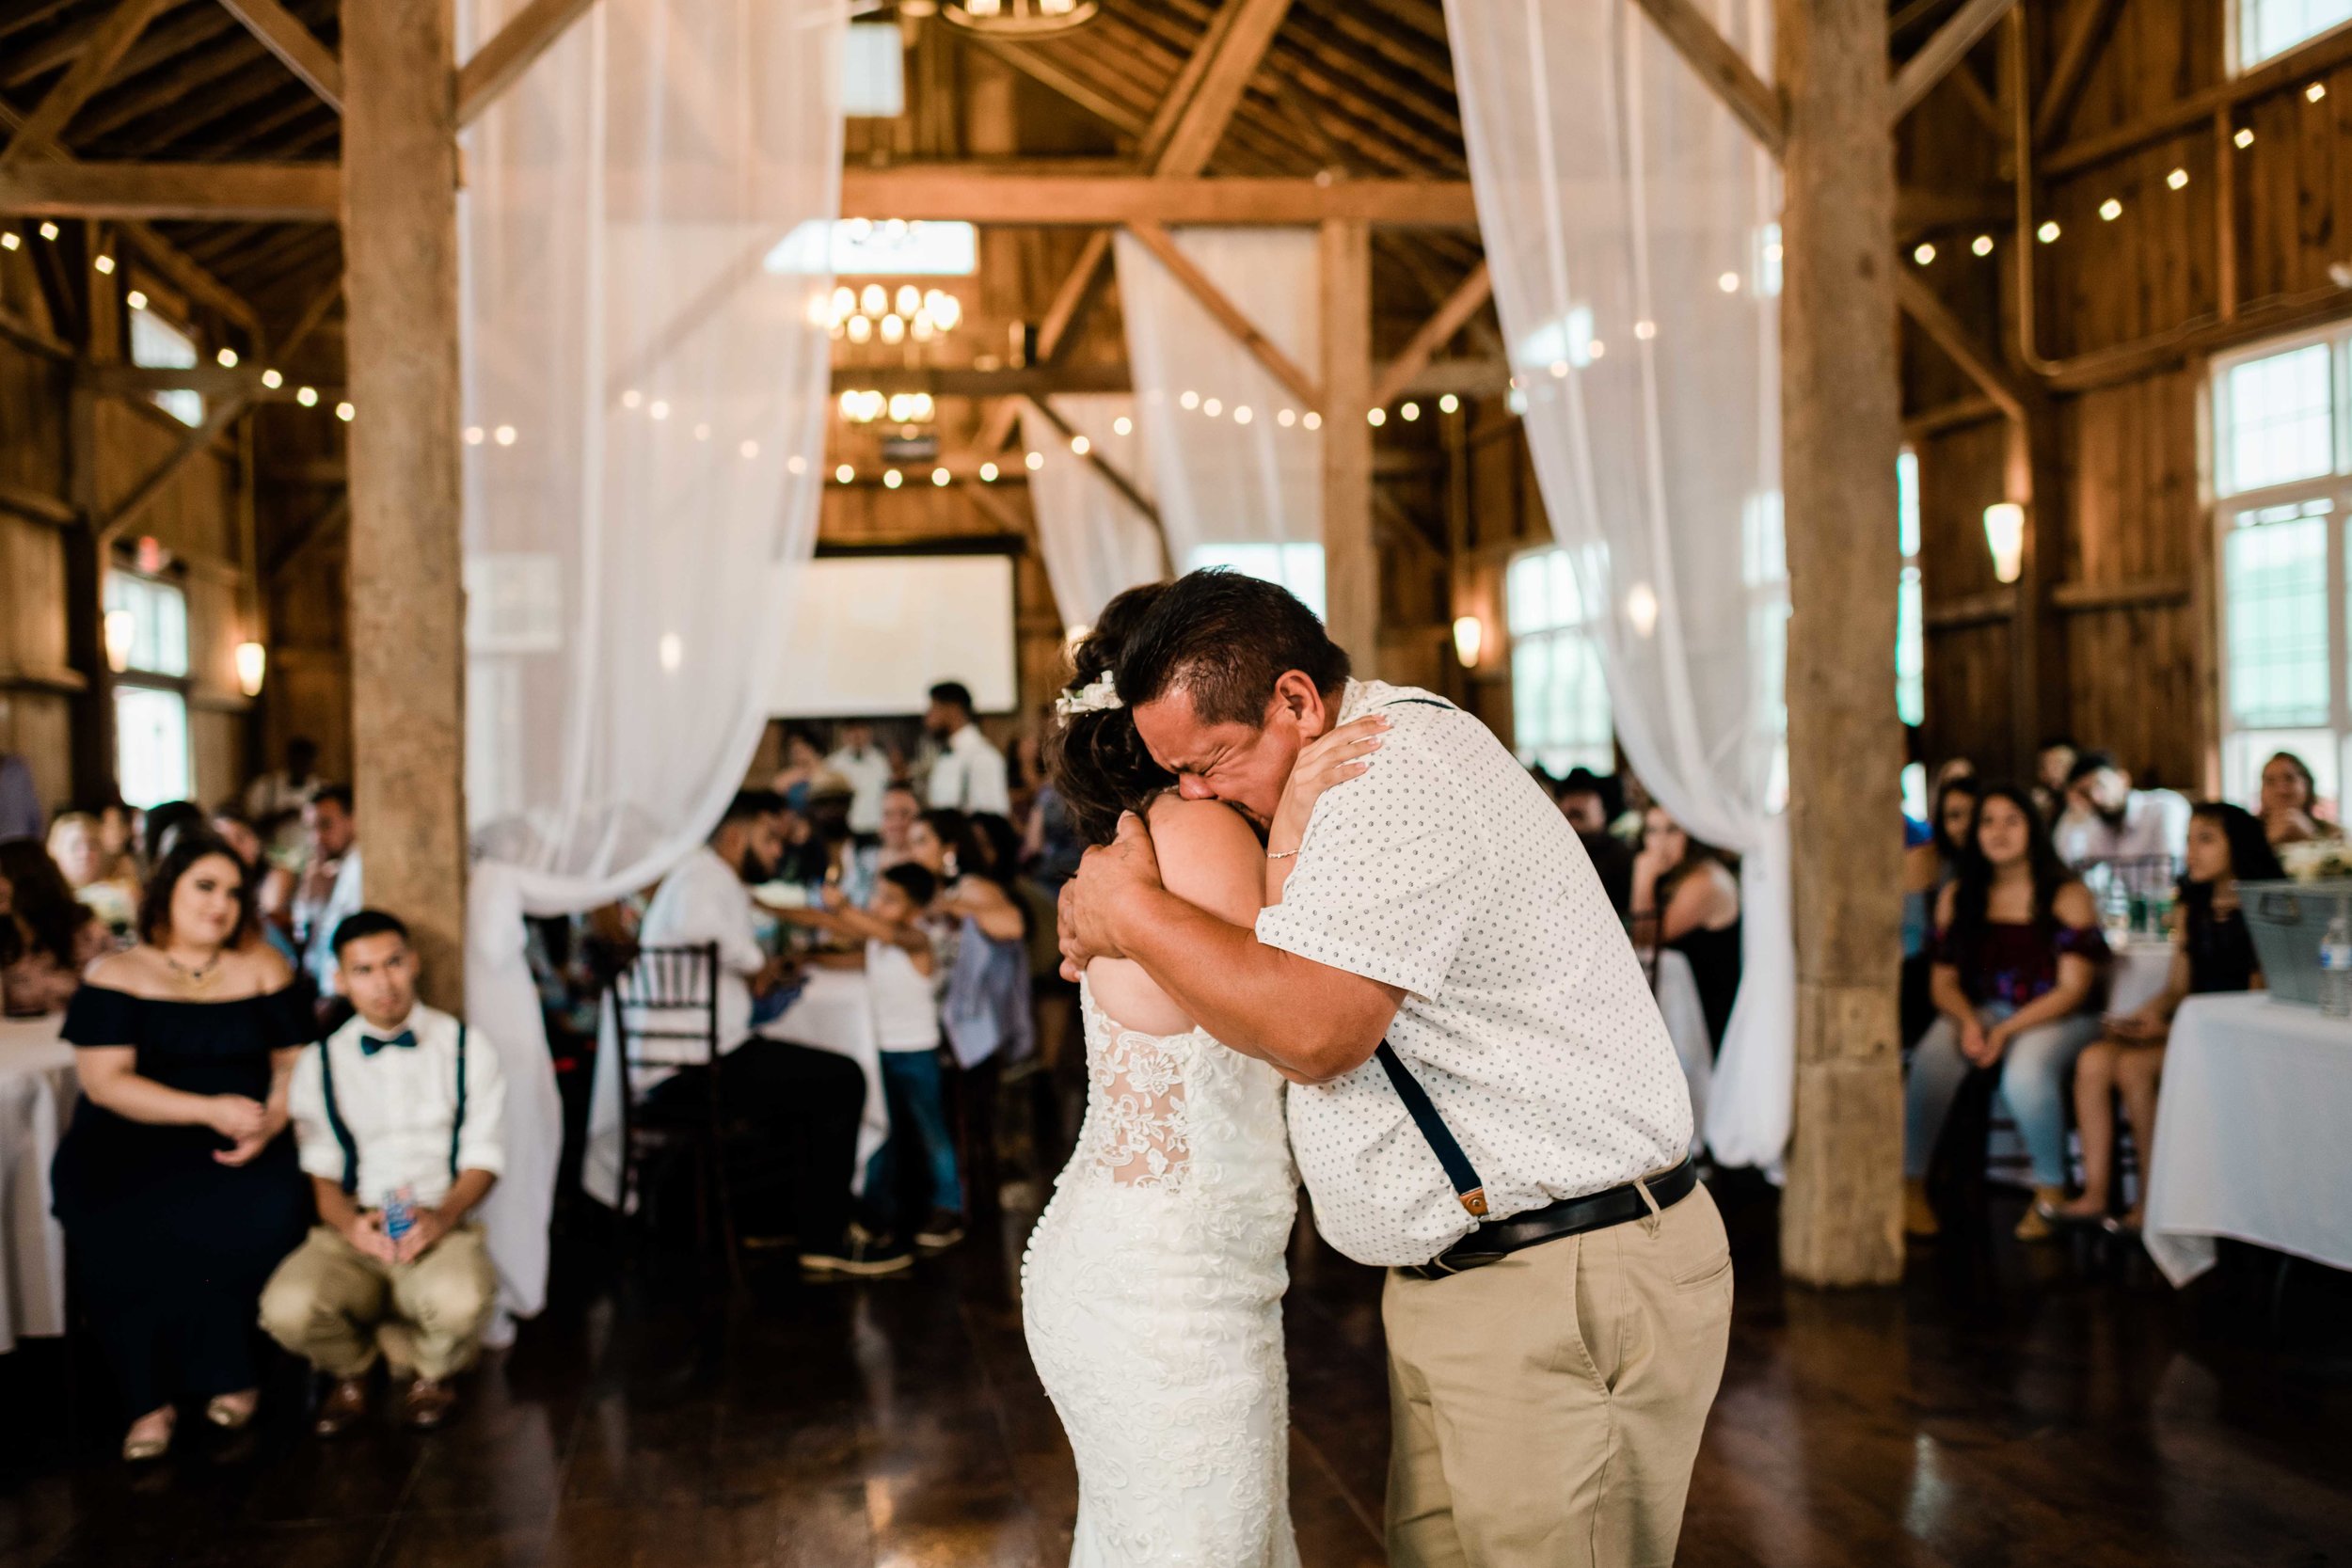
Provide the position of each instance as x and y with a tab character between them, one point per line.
147	636
158	344
862	247
2271	27
1560	714
1297	567
2282	468
873	74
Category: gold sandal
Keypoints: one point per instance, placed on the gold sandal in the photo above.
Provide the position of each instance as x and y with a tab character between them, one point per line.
143	1450
228	1416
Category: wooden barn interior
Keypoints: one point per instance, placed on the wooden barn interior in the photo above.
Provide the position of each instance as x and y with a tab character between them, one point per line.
2028	244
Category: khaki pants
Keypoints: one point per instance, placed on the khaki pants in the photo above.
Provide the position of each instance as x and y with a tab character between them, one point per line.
1548	1407
335	1306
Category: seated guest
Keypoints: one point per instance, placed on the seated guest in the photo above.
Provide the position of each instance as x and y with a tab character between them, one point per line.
47	936
1931	867
77	843
331	886
2107	819
2211	951
2017	959
2053	764
901	976
1589	803
230	825
400	1115
176	1186
274	801
1685	885
2290	801
810	1101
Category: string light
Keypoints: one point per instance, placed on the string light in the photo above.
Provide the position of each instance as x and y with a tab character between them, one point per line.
503	436
135	299
1376	417
1448	403
1559	370
944	308
1286	419
1121	425
1595	349
306	396
8	239
48	230
1411	412
844	474
1924	254
2048	231
1080	446
657	409
892	479
860	330
1312	419
894	329
2177	178
1646	330
633	399
2317	91
1981	245
105	264
343	411
988	473
1242	415
2110	209
228	358
938	477
473	434
844	303
875	300
1188	401
1728	282
1212	408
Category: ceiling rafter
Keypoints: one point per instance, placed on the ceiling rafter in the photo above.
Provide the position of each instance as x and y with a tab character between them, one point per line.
294	45
107	43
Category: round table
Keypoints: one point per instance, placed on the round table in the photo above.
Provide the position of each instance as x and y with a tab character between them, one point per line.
37	1091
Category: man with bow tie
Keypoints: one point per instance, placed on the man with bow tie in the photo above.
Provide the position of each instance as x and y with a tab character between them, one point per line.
400	1114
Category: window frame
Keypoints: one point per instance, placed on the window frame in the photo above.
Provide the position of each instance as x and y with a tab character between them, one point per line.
2238	64
1591	626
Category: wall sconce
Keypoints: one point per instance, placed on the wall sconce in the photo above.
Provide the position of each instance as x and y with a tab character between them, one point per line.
1469	639
253	662
2004	535
123	629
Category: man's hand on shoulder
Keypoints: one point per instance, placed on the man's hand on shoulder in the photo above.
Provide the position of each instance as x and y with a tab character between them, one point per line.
1109	877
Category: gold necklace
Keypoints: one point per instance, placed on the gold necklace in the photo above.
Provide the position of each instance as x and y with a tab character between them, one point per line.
199	978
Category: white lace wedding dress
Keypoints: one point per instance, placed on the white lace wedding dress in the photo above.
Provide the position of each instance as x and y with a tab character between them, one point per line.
1153	1299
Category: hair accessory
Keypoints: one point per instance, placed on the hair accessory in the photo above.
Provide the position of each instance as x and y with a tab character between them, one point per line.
1099	695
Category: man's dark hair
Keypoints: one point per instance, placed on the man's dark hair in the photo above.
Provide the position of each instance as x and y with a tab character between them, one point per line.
1609	789
339	793
1226	639
750	805
366	924
955	694
2088	762
916	881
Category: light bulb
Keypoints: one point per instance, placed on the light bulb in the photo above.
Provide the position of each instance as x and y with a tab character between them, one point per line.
922	331
473	434
1080	446
503	436
227	358
875	300
1376	417
1212	408
1121	425
105	264
272	380
1981	245
9	240
1924	253
2048	231
657	409
2245	137
988	473
633	399
910	299
252	664
860	328
939	476
892	480
48	230
844	473
894	329
2177	178
1559	370
1728	282
135	299
1188	401
2317	91
1242	413
1646	330
1286	419
2110	209
345	412
1448	403
1312	419
1411	411
306	396
1035	461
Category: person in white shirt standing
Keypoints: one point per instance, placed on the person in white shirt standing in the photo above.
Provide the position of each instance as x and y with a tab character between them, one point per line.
969	774
400	1119
868	770
1558	1305
331	889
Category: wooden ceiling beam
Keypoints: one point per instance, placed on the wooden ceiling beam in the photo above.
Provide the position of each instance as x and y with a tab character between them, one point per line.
1101	464
216	423
1434	333
1074	85
2092	27
1936	320
1204	289
2323	55
500	62
1754	102
976	194
282	33
310	192
313	314
195	80
107	45
1944	49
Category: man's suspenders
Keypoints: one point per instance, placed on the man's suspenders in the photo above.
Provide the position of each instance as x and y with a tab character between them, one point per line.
343	1129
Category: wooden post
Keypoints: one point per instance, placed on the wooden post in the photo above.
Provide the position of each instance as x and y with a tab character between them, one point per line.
407	599
1351	566
1841	1220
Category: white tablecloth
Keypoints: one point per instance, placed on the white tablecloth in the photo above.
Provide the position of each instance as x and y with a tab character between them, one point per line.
1677	991
2144	966
2251	1135
37	1089
834	1012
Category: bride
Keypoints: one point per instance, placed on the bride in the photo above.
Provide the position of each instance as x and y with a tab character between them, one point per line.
1153	1288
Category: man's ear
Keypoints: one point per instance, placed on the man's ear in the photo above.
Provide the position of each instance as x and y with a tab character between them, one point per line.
1295	693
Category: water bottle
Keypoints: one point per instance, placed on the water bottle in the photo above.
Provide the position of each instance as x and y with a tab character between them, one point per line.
2335	967
399	1210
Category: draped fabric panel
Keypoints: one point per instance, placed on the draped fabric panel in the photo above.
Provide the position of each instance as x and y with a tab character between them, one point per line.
1234	484
645	273
1096	545
1632	229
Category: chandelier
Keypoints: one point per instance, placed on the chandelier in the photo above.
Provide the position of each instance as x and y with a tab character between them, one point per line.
1019	18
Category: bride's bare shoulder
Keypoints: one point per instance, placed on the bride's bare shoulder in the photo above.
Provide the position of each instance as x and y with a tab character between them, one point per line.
1210	856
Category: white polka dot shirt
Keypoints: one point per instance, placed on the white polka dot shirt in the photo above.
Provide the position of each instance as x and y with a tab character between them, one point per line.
1445	870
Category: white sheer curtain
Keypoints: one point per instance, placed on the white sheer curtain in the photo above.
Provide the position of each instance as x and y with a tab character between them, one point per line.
1235	484
1632	229
646	386
1096	545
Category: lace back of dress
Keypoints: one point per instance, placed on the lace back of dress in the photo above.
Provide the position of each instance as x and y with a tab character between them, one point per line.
1138	1128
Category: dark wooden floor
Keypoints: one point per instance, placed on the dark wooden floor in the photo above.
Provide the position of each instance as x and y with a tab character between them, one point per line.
2000	1408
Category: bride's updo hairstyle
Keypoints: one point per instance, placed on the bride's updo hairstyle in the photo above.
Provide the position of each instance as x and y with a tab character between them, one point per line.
1099	763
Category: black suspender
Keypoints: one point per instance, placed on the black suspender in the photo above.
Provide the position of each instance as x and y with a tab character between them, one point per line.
1468	1188
343	1129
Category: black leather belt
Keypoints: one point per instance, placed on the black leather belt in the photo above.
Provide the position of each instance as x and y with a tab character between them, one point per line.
1571	1217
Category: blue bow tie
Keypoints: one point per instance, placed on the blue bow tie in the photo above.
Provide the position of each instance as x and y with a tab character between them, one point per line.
404	1040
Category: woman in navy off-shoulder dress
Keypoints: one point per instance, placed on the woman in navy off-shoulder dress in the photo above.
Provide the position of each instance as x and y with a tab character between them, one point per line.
177	1184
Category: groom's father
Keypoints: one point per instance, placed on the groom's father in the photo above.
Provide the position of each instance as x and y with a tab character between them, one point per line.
1484	1099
